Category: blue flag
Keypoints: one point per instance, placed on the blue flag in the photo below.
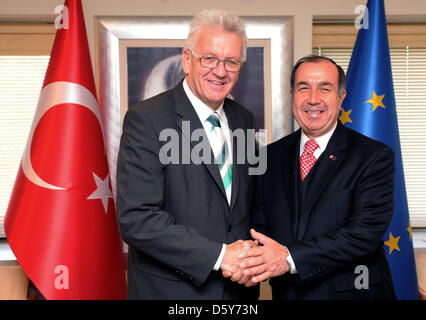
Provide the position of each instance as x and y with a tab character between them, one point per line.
369	108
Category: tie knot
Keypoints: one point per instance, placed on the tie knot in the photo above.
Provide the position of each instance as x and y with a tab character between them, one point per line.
311	146
214	119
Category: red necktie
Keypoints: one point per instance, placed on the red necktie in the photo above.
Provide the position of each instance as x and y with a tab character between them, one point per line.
307	159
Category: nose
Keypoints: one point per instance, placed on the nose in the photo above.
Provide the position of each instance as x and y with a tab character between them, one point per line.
220	70
314	97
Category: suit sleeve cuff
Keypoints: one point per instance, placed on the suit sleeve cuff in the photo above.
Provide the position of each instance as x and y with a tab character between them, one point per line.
219	260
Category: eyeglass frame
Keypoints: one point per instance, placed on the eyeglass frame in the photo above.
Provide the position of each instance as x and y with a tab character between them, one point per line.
218	61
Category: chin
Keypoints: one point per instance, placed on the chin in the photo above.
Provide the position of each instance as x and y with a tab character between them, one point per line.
217	100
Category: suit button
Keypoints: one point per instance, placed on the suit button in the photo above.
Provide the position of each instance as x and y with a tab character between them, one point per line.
229	228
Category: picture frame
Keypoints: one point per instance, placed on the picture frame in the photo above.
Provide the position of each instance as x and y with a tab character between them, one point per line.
270	38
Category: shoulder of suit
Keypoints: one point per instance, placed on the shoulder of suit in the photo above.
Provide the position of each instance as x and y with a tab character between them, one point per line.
285	142
239	108
157	103
158	111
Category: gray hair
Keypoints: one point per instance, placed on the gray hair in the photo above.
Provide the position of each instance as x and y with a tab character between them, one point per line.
217	18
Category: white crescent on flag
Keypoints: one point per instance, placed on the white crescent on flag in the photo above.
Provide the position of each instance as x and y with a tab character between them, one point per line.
53	94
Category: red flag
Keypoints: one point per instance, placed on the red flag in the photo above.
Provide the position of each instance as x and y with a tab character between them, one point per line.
61	222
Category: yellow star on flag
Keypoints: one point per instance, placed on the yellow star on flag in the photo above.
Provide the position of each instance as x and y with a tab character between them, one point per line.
392	243
410	231
344	117
376	101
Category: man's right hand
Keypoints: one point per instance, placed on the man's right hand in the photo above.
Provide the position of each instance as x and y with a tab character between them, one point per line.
231	263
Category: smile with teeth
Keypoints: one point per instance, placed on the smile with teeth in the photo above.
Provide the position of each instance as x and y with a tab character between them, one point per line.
313	111
217	82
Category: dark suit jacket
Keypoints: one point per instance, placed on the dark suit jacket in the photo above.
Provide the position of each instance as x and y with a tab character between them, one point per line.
175	217
340	223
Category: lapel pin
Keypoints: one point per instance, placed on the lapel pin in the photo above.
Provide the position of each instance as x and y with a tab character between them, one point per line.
332	157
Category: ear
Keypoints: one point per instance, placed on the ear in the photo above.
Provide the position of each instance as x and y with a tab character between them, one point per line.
343	95
186	61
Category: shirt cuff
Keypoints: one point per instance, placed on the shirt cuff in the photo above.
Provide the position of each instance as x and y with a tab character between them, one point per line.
219	260
290	261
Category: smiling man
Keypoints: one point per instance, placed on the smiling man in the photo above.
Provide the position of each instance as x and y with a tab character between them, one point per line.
317	96
210	79
325	201
183	221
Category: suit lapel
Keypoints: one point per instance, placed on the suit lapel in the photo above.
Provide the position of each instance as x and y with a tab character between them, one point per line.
186	113
289	171
328	162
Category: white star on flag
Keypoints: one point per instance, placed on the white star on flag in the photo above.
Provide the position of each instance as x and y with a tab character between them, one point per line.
102	191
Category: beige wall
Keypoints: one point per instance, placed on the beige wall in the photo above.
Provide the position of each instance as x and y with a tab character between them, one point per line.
303	11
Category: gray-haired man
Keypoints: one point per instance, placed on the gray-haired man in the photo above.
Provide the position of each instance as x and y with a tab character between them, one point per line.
183	221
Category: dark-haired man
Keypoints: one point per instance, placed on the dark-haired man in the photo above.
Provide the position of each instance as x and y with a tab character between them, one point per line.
325	201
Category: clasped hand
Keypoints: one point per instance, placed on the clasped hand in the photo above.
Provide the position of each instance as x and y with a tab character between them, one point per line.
248	263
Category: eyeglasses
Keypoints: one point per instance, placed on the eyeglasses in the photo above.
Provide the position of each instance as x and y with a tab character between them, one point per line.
213	62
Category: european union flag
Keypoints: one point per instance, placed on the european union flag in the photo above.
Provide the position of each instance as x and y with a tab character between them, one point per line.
369	108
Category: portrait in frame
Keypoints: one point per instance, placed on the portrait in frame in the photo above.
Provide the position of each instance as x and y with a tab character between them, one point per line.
137	57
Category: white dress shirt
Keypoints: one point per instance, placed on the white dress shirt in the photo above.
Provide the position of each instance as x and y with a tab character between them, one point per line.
322	142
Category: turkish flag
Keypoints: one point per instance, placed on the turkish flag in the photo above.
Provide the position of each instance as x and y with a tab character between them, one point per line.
61	222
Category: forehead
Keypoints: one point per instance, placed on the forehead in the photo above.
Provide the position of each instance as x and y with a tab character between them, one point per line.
322	70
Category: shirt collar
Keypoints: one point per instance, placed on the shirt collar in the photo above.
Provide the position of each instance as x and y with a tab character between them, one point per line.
202	110
321	140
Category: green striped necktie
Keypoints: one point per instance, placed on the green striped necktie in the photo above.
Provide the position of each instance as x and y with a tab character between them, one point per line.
221	153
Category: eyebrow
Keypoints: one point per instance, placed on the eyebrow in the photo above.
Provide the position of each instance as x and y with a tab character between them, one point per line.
302	83
325	83
226	58
321	84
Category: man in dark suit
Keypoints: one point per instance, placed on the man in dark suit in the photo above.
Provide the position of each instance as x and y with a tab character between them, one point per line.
183	201
325	201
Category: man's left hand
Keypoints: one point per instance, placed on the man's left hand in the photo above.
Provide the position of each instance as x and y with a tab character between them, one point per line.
263	262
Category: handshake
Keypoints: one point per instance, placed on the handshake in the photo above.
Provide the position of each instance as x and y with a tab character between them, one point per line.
248	263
